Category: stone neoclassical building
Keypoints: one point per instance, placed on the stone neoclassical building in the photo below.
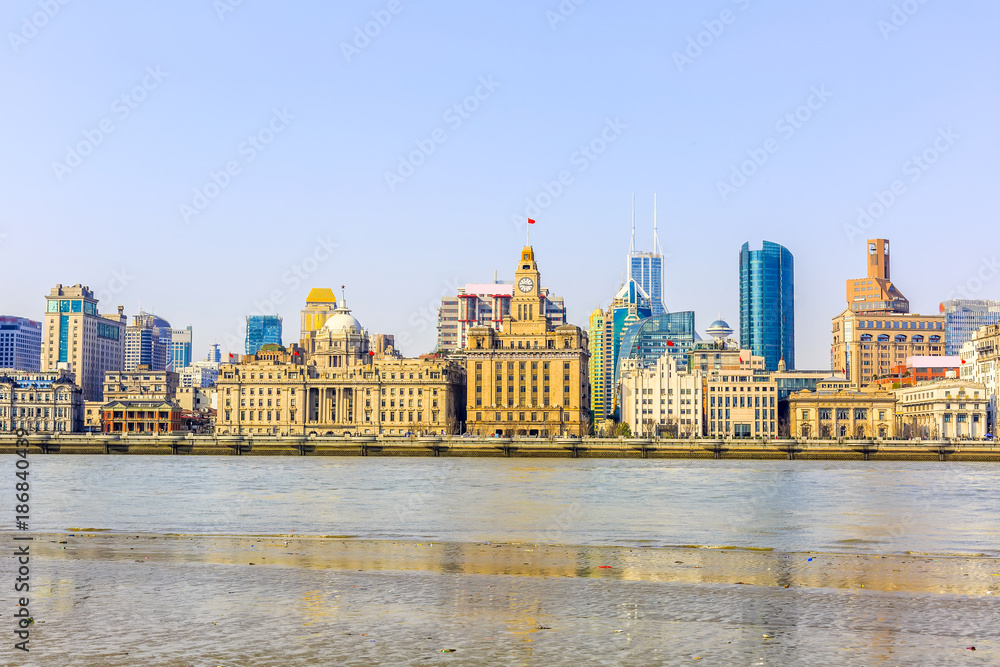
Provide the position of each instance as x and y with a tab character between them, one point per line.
339	384
981	364
838	409
528	378
40	401
949	408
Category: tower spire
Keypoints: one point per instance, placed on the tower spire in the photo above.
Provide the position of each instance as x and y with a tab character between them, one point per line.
631	245
656	240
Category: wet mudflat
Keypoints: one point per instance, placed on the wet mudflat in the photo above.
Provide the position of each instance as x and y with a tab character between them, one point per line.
126	599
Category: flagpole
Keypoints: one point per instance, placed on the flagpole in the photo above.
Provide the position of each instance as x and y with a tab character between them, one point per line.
527	231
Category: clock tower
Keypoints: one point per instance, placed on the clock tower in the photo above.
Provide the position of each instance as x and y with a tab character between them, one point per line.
529	378
527	308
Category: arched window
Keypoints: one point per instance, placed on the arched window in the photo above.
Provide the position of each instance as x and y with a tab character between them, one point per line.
917	339
900	338
866	338
935	339
883	338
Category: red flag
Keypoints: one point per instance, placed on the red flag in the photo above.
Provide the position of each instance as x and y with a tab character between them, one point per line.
963	361
530	221
230	355
295	353
371	353
670	343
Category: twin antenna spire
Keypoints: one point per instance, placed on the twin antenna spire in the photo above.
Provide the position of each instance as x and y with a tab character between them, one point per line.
631	245
656	238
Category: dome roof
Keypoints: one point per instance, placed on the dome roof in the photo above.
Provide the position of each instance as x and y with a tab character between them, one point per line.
719	329
342	320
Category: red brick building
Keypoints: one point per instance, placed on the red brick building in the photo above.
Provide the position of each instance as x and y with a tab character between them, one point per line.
141	417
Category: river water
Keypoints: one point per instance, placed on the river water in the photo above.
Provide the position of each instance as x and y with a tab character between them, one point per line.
858	507
365	561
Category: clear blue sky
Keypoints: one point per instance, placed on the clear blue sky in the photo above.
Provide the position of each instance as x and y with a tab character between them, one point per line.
678	127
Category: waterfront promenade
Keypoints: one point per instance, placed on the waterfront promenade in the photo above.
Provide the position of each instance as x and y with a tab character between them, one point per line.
456	446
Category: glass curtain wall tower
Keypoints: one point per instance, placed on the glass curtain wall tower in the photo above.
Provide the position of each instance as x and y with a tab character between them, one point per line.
262	330
767	304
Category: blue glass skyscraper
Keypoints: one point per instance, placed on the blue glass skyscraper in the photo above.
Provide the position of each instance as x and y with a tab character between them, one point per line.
261	330
963	317
646	269
767	304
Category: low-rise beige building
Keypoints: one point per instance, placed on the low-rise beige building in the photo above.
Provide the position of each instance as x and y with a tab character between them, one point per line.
92	414
950	408
40	401
839	409
141	383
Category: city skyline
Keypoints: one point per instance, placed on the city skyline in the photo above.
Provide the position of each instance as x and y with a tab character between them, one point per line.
340	306
889	142
238	338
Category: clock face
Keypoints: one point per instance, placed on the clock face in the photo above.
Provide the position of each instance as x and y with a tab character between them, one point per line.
525	284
